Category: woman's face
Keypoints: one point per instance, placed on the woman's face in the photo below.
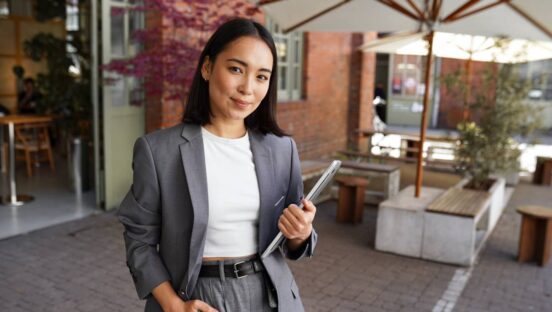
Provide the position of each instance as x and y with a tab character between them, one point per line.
238	79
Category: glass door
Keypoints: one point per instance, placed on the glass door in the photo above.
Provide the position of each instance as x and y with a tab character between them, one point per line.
122	120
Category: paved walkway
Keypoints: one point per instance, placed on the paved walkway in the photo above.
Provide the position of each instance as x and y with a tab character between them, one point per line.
79	266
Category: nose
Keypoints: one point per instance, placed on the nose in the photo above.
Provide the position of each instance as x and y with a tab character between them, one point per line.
246	85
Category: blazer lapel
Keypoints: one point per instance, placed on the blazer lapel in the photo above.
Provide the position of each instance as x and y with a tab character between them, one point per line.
262	157
193	160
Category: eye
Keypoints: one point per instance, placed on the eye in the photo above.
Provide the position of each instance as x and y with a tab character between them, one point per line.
235	69
263	77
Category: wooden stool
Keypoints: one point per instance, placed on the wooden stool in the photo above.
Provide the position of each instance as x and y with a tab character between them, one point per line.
351	199
535	238
543	171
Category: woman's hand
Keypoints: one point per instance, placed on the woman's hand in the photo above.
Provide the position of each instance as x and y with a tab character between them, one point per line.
170	302
197	305
191	306
296	223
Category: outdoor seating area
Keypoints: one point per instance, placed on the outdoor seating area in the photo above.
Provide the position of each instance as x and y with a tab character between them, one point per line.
347	273
149	152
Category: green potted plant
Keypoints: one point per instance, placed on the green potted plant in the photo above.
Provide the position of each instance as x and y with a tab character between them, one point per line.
488	146
66	93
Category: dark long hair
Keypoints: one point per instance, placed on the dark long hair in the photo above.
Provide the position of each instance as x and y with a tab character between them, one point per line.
198	109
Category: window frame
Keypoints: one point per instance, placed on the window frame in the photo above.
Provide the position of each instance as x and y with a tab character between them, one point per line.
294	53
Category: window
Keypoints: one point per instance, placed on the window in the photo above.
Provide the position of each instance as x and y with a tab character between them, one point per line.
125	20
540	75
72	12
407	75
289	48
4	8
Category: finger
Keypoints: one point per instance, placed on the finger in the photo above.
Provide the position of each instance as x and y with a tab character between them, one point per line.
290	227
285	231
295	223
202	306
308	206
298	214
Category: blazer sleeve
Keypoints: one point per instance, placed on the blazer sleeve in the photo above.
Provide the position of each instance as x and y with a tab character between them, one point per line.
294	196
140	214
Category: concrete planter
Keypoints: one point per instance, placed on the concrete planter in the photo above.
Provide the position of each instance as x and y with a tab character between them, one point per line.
457	239
512	178
405	227
400	224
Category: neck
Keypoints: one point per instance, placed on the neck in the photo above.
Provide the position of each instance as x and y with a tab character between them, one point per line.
230	130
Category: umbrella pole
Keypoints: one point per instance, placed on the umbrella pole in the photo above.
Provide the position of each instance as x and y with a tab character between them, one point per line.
419	170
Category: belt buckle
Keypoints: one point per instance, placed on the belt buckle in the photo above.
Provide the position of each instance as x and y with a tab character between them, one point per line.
237	271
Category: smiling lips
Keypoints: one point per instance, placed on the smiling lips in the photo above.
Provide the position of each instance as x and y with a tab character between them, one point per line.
240	103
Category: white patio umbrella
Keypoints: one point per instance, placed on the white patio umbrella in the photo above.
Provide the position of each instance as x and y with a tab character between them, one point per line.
527	19
466	47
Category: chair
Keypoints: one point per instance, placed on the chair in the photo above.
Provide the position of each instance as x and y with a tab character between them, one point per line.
34	140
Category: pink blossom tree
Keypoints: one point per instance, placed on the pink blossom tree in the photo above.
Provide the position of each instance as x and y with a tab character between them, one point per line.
175	33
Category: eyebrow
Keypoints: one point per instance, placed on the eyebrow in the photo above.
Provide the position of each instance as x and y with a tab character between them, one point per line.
245	64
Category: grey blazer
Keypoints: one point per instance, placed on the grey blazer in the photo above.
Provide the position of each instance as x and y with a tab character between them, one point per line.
166	210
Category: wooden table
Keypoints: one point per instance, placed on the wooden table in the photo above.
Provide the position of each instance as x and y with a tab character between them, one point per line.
13	199
535	237
411	138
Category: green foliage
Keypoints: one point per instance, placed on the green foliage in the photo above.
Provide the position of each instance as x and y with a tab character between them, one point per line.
49	9
65	95
489	146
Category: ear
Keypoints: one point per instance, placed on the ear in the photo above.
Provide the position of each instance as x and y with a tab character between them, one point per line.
206	69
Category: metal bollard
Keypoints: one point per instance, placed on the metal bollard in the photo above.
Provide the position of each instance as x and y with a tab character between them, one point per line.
78	166
76	157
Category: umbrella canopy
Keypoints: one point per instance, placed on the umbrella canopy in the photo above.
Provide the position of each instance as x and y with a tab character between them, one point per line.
468	47
528	19
457	46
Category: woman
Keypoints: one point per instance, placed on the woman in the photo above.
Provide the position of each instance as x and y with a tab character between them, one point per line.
210	194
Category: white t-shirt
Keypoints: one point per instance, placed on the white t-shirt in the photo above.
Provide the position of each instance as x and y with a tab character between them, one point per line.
233	193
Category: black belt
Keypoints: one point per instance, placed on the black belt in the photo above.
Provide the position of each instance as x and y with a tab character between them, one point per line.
236	270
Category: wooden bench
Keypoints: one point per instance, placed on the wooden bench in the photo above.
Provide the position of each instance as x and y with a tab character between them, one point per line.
311	169
535	237
435	164
456	225
390	173
461	202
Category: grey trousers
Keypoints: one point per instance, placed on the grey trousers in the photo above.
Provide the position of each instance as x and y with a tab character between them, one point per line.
228	294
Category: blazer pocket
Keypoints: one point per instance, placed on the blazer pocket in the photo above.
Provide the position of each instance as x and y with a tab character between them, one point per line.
279	200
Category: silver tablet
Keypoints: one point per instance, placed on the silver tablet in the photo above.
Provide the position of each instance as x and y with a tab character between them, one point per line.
313	194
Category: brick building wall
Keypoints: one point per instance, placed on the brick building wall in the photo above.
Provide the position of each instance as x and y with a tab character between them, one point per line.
451	103
336	83
337	96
